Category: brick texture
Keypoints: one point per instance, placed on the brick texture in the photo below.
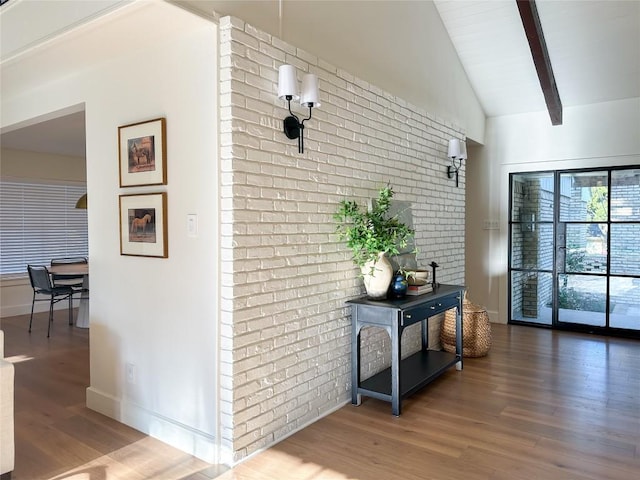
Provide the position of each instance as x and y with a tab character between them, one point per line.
286	332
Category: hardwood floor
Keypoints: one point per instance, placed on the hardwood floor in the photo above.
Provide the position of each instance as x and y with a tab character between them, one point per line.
541	405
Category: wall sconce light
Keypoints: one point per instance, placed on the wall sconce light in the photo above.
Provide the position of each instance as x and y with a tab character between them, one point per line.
309	97
457	151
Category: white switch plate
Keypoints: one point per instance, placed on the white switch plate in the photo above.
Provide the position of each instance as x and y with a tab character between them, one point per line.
192	225
131	373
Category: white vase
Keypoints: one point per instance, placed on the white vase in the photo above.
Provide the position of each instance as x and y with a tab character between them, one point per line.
377	276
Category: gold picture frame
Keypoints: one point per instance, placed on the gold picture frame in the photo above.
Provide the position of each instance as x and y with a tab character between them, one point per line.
142	152
143	225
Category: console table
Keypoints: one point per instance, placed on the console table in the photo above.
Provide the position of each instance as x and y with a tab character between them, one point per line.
404	377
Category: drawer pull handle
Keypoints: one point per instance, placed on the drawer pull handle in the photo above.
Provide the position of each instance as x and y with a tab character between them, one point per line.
407	316
432	307
439	304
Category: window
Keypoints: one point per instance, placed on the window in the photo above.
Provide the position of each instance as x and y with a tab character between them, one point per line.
39	222
574	255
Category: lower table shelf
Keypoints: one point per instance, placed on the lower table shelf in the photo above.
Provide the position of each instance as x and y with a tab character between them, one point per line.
416	371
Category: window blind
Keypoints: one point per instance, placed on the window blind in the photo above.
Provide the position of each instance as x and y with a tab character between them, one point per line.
39	222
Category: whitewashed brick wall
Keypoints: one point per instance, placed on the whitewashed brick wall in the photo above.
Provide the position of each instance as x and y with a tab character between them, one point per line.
286	333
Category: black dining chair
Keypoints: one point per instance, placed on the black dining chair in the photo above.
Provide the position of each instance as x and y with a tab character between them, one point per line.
41	284
73	281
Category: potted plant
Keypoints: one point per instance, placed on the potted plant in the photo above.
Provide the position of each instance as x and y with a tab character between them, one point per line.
372	234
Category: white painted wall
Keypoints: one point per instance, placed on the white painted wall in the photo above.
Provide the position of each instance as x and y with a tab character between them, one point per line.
40	167
402	44
602	134
147	60
25	23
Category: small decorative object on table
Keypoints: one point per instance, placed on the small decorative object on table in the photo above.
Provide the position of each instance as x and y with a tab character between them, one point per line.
418	275
418	282
419	287
434	284
399	285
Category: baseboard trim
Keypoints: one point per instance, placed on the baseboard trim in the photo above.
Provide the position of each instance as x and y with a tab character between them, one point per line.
103	403
494	317
183	437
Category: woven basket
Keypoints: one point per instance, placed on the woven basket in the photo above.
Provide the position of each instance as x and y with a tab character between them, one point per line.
476	330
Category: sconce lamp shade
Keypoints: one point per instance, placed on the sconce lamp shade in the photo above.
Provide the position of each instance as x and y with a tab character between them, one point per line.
82	202
463	150
310	96
293	126
287	82
454	148
457	153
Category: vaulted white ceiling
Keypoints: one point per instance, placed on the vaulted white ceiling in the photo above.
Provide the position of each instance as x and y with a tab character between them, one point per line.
594	46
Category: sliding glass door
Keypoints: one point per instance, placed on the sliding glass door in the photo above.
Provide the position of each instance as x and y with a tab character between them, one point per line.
581	248
575	250
531	259
624	251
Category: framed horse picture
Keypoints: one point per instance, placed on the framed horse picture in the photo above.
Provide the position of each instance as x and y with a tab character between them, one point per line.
142	151
143	225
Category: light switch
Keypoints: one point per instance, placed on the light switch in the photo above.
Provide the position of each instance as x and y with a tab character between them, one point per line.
192	225
491	225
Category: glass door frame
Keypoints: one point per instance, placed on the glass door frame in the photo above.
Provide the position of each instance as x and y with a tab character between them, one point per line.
557	270
527	224
561	228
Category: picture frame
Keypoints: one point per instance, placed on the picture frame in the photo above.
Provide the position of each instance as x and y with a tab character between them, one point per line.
142	153
143	225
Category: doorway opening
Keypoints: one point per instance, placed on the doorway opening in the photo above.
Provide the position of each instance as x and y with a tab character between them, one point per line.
574	250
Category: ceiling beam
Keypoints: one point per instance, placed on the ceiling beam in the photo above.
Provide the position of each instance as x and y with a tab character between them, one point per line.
535	36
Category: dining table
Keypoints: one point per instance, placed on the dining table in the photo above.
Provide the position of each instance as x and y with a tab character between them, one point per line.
82	321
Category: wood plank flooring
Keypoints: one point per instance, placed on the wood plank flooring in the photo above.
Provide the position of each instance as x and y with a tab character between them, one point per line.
541	405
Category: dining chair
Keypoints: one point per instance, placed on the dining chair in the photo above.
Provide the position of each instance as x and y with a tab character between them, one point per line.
41	284
73	281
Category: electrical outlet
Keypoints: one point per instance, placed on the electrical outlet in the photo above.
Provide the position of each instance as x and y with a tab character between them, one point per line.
192	225
131	373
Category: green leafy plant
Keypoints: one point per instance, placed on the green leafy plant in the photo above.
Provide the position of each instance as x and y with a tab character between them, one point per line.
597	207
368	232
574	261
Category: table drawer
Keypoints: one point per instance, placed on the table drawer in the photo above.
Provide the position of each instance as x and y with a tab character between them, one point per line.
429	309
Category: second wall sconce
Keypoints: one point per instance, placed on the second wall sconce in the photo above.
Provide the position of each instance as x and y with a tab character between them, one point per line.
309	97
457	152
